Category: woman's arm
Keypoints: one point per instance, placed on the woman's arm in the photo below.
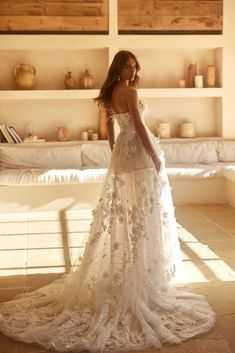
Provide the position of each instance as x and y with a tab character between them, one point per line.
132	102
110	128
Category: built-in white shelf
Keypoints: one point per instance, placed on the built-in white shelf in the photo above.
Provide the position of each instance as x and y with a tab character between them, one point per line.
92	93
56	143
180	92
48	94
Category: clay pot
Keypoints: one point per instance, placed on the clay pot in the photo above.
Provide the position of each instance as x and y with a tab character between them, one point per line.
63	134
24	76
69	81
87	80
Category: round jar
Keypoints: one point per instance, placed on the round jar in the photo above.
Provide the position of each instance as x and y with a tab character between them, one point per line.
187	130
163	130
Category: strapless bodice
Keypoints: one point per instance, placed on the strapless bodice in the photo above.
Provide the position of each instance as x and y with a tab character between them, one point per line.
125	121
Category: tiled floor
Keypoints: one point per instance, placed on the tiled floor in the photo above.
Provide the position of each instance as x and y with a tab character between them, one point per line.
35	248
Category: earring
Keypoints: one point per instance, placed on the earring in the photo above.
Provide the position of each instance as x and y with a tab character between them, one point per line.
118	78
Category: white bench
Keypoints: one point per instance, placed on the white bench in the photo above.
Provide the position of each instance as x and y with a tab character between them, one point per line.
60	175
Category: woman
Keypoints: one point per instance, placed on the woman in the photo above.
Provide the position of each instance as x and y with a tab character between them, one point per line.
120	295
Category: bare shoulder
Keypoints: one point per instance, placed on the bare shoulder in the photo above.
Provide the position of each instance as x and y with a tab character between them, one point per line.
131	92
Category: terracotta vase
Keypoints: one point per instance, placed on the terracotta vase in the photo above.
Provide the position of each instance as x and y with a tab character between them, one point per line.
102	125
192	72
69	81
24	76
87	80
210	76
63	134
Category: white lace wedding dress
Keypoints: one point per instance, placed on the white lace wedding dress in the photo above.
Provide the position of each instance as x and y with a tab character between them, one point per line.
118	296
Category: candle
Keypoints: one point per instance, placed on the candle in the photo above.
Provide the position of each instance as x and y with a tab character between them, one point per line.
94	136
198	80
90	132
181	83
84	135
187	130
163	130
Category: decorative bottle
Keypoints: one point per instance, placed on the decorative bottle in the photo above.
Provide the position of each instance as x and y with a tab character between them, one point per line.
69	81
192	71
210	76
87	80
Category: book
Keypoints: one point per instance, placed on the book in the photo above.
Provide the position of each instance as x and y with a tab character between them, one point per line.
15	134
6	134
12	135
33	139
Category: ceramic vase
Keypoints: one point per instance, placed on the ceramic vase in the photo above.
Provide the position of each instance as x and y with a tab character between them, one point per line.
69	81
192	72
87	80
24	76
210	76
63	134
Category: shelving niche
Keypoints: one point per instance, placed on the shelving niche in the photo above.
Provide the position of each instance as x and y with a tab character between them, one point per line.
163	59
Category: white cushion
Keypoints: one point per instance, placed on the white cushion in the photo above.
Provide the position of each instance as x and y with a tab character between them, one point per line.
21	156
194	171
190	152
39	176
226	151
95	155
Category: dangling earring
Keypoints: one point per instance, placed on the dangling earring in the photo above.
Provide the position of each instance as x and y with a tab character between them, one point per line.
118	78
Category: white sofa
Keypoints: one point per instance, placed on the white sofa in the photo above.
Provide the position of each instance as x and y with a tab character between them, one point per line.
61	175
201	171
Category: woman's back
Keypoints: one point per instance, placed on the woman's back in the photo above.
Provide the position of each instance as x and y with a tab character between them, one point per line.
119	98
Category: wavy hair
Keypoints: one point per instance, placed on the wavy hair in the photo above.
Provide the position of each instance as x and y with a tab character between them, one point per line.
119	61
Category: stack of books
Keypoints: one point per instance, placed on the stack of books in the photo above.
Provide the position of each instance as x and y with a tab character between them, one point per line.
9	134
33	139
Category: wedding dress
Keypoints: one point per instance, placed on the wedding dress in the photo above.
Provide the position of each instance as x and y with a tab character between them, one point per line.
119	294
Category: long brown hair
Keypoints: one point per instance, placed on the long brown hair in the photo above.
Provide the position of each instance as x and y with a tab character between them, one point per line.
118	63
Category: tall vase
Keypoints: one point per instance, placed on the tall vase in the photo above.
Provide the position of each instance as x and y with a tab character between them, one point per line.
102	125
210	76
192	71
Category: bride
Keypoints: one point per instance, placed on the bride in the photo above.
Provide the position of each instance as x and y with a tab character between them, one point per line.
119	295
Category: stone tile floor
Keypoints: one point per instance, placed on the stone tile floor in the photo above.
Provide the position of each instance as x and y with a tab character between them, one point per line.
36	250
